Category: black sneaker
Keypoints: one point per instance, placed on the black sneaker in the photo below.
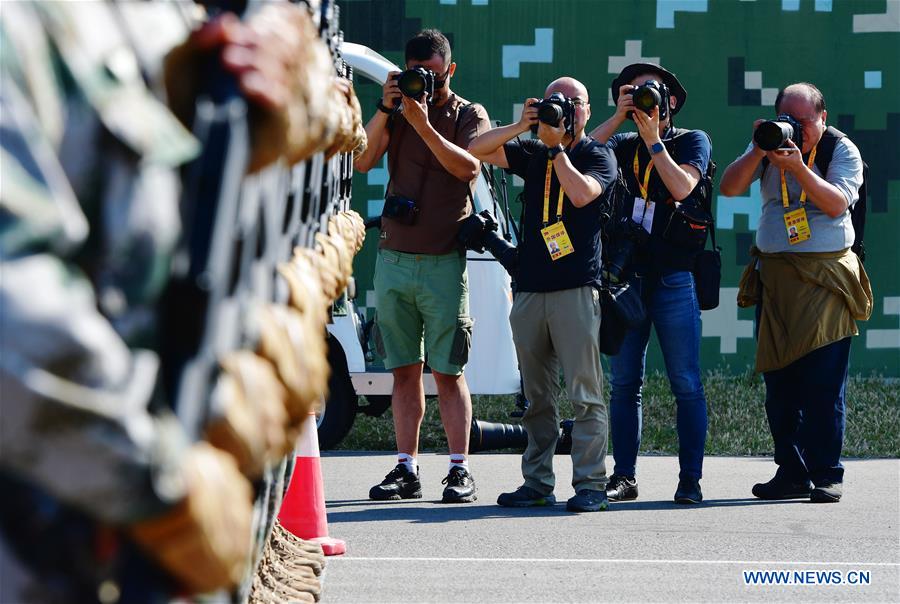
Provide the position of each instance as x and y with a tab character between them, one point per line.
525	497
400	483
827	493
588	500
688	491
460	486
621	488
782	488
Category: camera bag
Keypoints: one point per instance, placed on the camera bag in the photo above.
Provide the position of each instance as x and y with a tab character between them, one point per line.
621	309
708	274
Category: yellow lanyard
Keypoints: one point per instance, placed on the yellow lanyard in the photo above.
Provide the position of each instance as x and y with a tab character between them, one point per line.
637	177
784	194
559	204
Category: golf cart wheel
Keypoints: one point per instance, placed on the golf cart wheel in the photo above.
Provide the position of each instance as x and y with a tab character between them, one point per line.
336	417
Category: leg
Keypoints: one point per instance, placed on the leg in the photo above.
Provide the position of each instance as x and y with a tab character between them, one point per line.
823	387
540	373
400	331
574	317
626	379
408	405
676	317
443	299
456	410
783	414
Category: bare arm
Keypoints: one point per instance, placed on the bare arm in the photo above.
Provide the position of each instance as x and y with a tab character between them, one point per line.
580	189
625	104
376	130
824	195
488	147
739	174
457	161
680	179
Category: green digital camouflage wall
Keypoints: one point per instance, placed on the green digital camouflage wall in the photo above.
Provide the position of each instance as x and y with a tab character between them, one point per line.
732	56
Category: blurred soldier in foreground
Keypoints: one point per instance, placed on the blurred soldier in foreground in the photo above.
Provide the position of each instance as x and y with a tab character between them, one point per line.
104	498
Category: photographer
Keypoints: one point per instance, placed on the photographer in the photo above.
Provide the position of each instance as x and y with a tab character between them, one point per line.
662	167
555	316
809	288
422	301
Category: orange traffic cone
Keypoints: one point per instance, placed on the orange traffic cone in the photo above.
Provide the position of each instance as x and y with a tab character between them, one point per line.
303	508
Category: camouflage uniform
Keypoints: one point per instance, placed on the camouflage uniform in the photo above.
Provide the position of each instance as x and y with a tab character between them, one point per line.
88	220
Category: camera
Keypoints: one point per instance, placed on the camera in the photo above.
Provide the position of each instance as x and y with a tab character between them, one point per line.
416	83
626	237
402	209
555	109
648	95
773	134
479	232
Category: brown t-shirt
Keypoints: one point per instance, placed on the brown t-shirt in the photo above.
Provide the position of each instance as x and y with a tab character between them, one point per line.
442	199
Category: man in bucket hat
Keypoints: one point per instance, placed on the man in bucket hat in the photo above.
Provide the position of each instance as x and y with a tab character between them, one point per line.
662	166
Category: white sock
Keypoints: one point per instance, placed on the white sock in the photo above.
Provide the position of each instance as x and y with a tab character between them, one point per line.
459	460
409	461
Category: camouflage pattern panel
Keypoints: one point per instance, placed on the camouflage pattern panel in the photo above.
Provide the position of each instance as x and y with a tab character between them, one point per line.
732	57
74	406
75	398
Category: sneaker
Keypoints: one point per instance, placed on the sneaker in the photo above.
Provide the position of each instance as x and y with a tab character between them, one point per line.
827	493
400	483
688	491
525	497
588	500
621	488
782	488
460	486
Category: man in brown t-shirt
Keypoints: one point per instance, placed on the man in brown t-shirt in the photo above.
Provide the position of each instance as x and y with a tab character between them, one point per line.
421	290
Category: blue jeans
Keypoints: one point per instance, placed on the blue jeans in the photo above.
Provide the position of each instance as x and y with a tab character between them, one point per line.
673	310
805	404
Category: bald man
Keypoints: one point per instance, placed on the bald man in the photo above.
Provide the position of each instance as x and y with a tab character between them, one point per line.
555	316
812	290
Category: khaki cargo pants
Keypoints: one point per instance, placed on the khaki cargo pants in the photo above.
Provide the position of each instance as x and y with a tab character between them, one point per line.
553	331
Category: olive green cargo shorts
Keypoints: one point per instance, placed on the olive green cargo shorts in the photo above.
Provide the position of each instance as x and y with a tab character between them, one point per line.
422	307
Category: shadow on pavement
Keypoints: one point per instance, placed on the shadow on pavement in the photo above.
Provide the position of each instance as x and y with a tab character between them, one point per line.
438	513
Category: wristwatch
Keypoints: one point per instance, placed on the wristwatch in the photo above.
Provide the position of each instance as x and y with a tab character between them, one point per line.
382	108
552	152
657	147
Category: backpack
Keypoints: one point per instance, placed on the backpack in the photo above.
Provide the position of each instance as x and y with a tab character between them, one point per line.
824	153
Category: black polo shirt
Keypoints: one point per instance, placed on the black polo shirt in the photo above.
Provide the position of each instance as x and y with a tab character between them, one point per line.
537	272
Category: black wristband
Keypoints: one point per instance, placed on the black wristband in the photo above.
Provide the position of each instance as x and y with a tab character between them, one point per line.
382	108
552	152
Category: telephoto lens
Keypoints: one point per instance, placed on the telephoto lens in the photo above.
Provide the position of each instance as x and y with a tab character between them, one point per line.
773	134
416	82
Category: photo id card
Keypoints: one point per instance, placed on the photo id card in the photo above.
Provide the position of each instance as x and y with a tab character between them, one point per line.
643	218
797	226
557	240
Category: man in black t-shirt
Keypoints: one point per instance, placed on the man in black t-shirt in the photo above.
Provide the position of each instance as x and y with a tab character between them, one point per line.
556	313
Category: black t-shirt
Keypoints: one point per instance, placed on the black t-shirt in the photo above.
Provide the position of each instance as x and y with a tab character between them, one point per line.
692	147
537	271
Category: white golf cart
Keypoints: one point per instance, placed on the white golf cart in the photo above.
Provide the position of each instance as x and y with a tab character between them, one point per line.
492	367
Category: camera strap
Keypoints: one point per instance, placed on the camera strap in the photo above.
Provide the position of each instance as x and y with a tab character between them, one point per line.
559	203
785	201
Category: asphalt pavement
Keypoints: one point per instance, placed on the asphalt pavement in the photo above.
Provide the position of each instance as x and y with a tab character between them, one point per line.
648	550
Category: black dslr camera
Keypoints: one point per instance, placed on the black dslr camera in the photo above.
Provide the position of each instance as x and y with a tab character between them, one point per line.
555	109
773	134
648	95
479	232
626	236
416	83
